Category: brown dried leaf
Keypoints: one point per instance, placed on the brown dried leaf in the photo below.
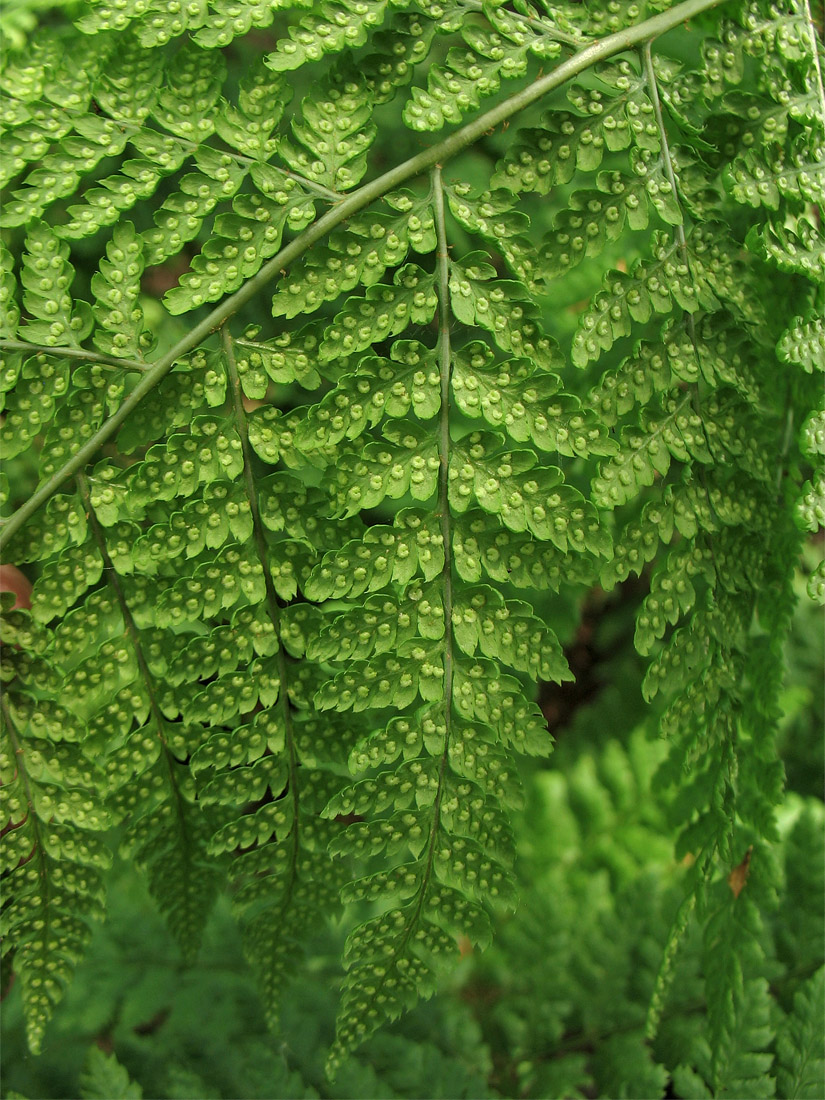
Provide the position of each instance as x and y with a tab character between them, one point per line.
739	875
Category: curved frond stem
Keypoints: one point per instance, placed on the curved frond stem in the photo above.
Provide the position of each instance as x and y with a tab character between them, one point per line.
75	353
272	605
422	162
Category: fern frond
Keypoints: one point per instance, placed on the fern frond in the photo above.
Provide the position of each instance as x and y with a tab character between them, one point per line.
526	402
607	118
452	775
469	74
52	859
304	517
372	244
598	216
804	343
244	239
334	130
799	1044
211	24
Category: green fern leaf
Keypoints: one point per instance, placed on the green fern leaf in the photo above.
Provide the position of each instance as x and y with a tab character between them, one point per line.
59	173
334	130
596	217
607	121
516	559
103	1076
412	545
647	289
52	860
407	381
399	48
116	288
804	343
8	285
180	217
343	25
347	261
31	407
797	176
799	1047
526	497
516	397
404	461
796	247
472	73
56	320
810	508
499	307
384	311
244	239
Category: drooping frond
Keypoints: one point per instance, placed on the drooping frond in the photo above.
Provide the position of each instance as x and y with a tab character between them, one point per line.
299	487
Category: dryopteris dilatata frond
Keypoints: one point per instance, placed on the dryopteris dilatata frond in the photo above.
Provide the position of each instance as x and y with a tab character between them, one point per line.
233	613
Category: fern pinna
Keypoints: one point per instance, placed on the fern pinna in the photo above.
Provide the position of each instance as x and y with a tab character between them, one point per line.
280	634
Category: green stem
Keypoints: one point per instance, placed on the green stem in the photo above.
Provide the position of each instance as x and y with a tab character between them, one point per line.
444	362
422	162
653	89
75	353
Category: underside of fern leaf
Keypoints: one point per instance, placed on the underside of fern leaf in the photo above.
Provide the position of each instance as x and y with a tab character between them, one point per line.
296	527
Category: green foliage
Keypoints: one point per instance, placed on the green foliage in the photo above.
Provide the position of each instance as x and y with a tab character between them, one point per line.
295	581
105	1077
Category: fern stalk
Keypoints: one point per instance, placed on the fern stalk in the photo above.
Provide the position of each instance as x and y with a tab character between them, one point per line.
82	354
